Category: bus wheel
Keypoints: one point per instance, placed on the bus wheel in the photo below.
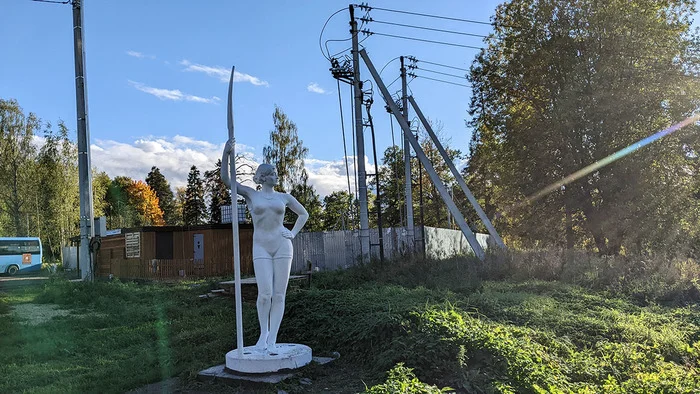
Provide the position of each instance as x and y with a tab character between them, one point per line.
13	269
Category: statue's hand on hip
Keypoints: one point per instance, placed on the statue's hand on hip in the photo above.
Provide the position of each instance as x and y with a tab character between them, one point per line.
286	233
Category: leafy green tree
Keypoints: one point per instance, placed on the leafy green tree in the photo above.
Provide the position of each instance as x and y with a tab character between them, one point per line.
58	196
120	212
435	212
17	166
194	209
218	194
563	84
100	187
392	184
338	212
307	196
156	180
179	205
286	152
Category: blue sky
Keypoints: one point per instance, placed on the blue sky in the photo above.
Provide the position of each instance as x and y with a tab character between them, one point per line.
156	95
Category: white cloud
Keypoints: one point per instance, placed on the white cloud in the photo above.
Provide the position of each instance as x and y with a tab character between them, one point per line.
223	73
314	88
172	155
140	55
328	176
38	141
172	94
175	155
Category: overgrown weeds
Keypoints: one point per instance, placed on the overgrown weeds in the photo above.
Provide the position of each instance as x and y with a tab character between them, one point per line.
643	278
445	323
507	338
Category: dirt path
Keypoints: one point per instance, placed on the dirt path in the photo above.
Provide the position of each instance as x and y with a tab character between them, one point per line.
14	282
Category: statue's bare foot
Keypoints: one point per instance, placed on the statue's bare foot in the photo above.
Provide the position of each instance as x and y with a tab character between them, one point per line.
262	343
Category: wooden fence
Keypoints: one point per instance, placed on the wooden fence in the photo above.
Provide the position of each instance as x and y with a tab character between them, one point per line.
166	269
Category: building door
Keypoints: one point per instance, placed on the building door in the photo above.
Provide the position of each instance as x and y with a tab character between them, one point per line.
164	245
198	247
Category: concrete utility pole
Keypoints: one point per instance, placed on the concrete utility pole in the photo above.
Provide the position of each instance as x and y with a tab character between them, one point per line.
407	165
87	231
360	140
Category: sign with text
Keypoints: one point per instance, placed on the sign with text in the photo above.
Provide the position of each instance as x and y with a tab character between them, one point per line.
133	245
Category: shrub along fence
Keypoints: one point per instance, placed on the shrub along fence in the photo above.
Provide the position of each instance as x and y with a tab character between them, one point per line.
325	251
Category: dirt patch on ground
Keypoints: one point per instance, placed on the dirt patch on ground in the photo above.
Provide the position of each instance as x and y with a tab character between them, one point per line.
34	314
338	377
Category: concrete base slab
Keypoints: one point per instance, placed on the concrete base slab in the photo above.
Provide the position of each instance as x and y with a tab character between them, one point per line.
285	356
222	374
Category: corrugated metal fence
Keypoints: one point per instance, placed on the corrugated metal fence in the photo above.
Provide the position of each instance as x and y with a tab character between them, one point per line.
331	250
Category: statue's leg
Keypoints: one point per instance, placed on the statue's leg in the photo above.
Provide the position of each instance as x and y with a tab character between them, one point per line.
282	266
263	276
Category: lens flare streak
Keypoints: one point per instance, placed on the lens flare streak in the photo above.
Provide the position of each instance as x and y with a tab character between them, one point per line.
607	160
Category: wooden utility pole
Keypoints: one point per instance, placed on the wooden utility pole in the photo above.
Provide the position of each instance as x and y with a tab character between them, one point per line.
87	231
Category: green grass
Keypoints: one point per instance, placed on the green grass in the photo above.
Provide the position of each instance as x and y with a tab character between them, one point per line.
432	322
117	337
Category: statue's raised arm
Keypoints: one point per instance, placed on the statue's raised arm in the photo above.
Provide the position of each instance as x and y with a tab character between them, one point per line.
225	176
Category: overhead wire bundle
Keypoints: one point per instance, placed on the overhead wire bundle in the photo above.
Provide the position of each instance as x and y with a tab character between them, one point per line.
418	71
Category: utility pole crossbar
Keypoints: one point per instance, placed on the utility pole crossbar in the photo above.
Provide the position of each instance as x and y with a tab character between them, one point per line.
459	218
460	180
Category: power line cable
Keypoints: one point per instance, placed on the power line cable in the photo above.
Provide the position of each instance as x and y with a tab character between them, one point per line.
368	8
345	148
369	33
387	63
392	82
327	55
362	23
441	73
53	2
437	64
354	151
346	49
391	120
424	28
320	36
439	80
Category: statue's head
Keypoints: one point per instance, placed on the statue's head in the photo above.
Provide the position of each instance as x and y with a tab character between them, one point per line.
265	173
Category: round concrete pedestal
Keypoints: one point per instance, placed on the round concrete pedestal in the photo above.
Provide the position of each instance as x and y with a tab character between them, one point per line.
253	360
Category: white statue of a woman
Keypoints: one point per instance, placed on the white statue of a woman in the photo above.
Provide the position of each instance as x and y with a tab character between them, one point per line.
272	244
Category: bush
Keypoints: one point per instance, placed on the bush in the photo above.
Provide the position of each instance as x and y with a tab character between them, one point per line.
402	380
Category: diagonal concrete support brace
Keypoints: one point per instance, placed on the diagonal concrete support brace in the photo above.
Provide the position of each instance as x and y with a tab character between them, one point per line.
459	218
482	215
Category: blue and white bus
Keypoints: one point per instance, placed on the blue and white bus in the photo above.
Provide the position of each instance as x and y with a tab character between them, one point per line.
20	254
